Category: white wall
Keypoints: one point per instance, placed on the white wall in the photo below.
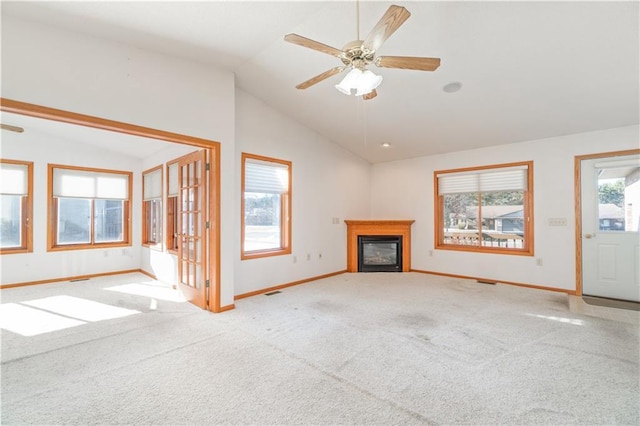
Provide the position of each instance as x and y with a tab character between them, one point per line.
404	189
60	69
328	182
42	149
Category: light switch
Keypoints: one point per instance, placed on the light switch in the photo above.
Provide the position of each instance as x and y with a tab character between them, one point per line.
557	221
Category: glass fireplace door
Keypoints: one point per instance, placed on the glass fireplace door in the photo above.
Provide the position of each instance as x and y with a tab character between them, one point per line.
380	253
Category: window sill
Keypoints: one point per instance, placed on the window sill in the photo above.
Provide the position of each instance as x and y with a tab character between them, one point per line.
487	250
88	246
153	246
15	250
264	253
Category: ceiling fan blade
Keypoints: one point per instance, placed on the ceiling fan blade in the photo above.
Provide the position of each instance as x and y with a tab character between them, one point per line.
372	94
312	44
408	63
388	24
318	78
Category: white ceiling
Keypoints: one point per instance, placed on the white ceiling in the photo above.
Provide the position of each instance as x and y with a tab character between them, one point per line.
121	143
529	70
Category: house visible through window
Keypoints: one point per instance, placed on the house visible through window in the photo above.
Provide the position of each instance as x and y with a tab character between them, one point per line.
266	206
152	207
16	187
89	207
486	209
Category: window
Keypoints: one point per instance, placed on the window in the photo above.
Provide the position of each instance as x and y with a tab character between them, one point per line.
89	208
266	206
486	209
16	205
172	207
152	207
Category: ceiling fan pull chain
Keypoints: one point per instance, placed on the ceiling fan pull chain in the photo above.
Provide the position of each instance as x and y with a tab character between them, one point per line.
358	19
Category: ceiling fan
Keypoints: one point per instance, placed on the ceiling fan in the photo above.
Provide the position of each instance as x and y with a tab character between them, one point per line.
358	54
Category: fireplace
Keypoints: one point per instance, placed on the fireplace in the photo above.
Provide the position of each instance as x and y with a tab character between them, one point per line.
380	253
379	229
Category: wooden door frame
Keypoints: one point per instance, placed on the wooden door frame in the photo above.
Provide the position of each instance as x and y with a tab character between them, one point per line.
578	204
212	152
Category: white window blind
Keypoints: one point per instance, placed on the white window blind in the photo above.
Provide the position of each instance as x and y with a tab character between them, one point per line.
266	177
498	179
14	179
72	183
172	190
152	185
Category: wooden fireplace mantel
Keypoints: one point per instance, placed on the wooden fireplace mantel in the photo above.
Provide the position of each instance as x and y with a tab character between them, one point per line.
356	228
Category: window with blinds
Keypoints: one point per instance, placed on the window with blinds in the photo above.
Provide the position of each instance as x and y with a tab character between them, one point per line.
16	187
266	206
486	209
152	218
90	208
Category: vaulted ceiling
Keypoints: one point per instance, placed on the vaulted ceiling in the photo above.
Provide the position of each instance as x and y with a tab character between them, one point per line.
529	70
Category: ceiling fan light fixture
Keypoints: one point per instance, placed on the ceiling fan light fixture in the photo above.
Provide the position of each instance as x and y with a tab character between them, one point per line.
362	82
367	82
349	81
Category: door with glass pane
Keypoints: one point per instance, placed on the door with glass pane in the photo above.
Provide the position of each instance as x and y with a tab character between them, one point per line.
191	228
610	200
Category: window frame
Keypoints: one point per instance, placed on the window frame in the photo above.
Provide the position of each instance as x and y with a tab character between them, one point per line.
286	202
171	212
26	220
52	216
145	225
528	244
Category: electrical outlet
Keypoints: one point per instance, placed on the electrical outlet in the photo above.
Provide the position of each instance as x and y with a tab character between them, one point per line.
308	256
295	259
430	252
539	261
319	255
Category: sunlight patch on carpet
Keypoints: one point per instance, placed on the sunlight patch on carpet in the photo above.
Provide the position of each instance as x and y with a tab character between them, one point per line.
83	309
149	290
28	321
559	319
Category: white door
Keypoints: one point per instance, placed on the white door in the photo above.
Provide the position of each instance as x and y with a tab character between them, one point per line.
610	193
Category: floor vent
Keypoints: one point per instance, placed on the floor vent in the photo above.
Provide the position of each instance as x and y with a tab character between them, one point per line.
487	282
272	293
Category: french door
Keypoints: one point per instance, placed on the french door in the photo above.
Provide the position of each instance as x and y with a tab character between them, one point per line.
192	205
610	216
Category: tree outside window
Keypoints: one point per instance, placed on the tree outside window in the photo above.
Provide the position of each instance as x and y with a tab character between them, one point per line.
266	206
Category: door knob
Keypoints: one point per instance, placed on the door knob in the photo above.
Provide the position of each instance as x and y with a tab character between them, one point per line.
588	236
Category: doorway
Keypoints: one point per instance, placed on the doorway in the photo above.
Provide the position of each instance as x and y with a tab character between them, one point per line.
207	188
607	228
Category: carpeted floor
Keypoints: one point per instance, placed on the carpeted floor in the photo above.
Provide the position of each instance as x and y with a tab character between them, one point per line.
375	348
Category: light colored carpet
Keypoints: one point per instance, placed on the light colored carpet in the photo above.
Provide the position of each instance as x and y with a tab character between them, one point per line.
376	348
